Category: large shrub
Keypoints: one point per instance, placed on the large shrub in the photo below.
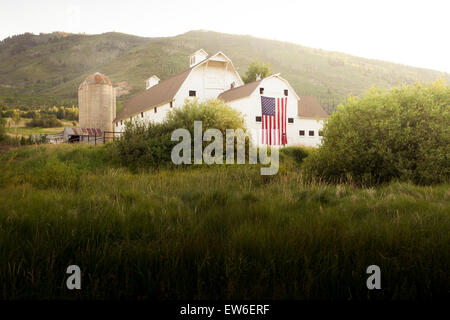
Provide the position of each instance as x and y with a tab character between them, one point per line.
46	122
149	145
401	134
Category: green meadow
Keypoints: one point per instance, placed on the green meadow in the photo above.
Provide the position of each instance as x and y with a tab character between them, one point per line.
211	232
21	128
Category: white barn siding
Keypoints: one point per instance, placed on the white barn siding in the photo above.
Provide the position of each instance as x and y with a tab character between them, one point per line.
208	81
308	125
149	116
250	107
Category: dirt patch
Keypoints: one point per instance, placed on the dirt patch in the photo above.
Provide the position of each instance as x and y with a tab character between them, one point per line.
5	148
122	88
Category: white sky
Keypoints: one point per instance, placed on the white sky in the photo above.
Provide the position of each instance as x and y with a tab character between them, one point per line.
408	32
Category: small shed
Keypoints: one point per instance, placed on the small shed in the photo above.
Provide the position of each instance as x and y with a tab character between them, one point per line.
86	135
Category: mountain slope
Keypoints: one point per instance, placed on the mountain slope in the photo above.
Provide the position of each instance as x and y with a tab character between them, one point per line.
53	65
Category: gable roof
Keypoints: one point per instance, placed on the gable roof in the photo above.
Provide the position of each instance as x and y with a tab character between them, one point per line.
239	92
212	58
247	89
199	51
161	93
309	107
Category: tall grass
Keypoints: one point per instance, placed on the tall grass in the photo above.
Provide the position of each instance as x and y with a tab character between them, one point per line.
221	232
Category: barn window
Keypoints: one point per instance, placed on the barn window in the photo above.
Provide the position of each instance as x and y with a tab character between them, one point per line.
156	110
261	90
142	114
117	124
301	132
171	104
290	120
121	123
311	133
285	92
192	93
258	119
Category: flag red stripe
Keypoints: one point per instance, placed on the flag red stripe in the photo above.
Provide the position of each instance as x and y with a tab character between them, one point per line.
285	119
273	131
283	124
276	131
270	130
278	119
266	130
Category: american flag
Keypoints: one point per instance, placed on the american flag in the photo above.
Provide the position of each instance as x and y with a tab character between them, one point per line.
273	112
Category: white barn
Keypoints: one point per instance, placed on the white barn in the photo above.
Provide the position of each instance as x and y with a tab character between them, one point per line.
216	77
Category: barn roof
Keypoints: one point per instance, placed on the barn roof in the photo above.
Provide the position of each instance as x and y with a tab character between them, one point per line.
161	93
309	107
78	131
247	89
239	92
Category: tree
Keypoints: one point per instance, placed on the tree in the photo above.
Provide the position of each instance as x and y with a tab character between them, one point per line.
254	69
150	145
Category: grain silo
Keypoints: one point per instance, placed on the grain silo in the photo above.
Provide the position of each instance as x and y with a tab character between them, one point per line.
97	102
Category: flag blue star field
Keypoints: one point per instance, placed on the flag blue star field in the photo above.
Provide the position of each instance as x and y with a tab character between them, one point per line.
273	111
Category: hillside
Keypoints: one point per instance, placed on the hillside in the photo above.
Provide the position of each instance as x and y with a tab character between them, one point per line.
47	68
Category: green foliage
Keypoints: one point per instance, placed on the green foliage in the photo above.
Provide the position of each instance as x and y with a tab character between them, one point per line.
145	145
213	113
297	154
20	141
149	145
49	122
256	68
62	112
402	134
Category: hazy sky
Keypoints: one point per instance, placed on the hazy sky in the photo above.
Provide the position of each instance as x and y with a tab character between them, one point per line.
408	32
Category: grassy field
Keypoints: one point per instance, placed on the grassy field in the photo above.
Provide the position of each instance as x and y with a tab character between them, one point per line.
211	232
23	130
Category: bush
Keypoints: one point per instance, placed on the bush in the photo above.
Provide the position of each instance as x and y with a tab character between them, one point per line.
401	134
297	154
149	145
50	122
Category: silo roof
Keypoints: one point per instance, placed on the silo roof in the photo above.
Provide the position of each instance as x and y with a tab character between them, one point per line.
96	78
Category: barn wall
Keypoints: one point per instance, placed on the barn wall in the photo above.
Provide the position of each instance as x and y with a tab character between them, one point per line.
250	107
